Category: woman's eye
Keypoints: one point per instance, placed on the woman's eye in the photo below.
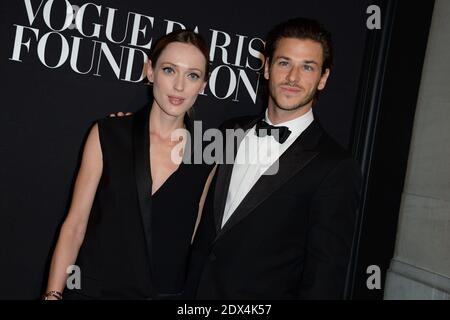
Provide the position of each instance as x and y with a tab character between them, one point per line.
168	70
193	76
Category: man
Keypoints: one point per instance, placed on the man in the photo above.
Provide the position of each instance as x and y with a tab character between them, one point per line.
285	232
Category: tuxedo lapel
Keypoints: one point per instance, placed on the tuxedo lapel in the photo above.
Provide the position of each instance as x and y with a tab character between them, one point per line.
294	159
224	172
220	195
143	177
142	172
141	147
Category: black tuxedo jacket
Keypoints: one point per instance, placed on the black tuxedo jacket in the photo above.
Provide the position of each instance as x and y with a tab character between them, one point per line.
290	237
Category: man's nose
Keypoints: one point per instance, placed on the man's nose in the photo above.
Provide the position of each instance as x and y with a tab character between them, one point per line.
294	75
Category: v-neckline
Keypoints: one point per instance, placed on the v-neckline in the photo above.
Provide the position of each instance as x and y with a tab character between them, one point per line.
149	157
167	180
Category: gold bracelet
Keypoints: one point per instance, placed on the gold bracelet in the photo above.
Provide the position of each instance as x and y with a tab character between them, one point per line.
56	294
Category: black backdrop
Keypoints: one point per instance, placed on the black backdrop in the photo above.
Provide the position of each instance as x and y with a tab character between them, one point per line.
45	111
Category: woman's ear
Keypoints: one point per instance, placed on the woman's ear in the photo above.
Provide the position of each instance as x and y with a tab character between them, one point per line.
203	86
149	71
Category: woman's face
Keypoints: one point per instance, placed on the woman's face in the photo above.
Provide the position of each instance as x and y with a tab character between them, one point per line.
178	77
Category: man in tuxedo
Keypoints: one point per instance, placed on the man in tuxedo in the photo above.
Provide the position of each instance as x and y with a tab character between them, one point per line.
281	228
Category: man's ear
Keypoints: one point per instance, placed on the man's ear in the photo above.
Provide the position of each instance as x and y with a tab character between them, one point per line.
323	79
266	69
149	71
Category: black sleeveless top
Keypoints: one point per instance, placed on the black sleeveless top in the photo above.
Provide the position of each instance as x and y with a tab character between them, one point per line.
137	245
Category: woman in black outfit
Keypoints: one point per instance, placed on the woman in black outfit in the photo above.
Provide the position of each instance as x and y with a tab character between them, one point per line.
134	205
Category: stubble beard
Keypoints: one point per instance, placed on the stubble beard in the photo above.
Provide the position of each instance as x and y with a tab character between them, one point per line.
302	103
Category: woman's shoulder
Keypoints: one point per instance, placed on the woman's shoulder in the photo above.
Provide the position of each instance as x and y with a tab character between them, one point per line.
236	121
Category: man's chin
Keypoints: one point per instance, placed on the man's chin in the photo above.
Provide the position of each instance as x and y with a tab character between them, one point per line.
291	107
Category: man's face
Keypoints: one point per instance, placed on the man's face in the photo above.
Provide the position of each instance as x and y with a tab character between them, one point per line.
295	74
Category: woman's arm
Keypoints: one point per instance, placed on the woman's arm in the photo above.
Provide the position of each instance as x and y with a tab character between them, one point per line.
203	198
73	229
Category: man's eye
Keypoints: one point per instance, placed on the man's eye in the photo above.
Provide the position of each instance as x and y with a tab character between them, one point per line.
308	67
168	70
283	63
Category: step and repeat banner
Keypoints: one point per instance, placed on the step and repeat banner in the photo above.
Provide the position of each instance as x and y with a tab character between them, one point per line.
64	64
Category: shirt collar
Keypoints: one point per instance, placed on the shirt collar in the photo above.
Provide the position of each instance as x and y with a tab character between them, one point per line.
297	125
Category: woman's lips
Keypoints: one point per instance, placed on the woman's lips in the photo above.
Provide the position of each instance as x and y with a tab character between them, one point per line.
176	100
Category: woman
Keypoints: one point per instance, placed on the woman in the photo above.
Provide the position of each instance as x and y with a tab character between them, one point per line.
134	208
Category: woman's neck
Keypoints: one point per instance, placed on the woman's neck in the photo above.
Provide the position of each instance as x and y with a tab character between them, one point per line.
162	124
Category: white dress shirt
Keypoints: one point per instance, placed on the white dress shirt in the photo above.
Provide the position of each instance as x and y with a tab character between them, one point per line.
254	157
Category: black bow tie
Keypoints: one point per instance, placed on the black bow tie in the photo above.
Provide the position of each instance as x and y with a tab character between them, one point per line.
263	129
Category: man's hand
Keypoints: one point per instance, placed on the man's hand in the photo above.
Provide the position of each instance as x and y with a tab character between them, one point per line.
120	114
